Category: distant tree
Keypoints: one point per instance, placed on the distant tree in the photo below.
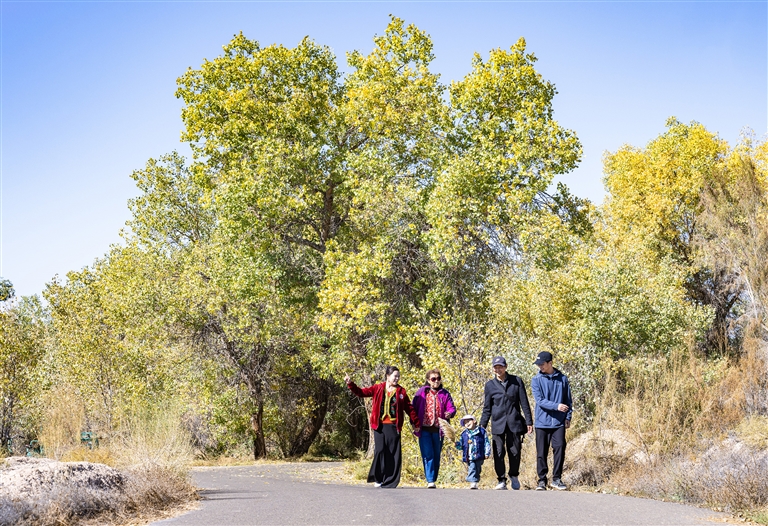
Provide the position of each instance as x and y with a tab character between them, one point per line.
6	290
733	240
23	333
655	200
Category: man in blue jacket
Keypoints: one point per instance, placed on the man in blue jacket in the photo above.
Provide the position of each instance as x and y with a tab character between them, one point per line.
554	402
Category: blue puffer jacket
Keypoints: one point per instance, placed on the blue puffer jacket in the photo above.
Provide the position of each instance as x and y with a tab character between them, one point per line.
474	444
550	390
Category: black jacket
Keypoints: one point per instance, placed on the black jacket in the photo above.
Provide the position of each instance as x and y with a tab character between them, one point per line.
503	406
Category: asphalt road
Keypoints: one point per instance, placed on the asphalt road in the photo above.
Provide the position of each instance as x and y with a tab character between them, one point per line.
294	494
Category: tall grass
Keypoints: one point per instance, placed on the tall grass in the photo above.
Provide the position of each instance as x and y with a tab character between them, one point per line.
64	419
152	449
154	438
687	416
656	403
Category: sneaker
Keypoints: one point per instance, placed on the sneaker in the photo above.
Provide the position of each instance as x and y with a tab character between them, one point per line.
501	485
473	485
541	486
514	482
431	485
377	484
558	484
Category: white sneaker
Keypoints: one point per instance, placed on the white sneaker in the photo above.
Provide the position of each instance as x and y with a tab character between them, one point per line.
473	485
514	483
431	485
501	485
377	484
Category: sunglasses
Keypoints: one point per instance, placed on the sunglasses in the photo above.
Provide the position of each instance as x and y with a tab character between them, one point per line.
435	379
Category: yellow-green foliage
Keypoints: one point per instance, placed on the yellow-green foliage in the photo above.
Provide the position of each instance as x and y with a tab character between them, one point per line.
23	341
654	192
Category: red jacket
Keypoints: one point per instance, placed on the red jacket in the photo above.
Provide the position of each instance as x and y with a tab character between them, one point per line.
402	403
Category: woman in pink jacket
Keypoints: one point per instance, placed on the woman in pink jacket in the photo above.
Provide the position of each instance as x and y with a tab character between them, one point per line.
432	402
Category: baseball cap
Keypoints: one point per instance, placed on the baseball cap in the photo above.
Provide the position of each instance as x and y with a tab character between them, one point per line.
543	357
465	418
499	360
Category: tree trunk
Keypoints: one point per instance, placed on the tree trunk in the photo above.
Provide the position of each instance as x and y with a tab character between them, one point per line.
6	423
358	425
369	453
257	424
308	434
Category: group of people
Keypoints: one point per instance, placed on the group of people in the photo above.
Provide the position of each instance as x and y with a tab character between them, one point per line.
505	407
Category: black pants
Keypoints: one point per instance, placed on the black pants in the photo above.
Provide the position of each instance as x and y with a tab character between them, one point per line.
507	443
544	437
387	460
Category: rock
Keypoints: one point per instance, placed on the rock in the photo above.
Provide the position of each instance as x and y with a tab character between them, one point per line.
607	443
24	478
594	455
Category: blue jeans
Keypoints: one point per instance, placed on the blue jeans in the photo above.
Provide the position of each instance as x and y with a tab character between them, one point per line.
431	445
474	469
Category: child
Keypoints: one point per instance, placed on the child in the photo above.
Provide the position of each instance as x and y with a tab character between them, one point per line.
476	446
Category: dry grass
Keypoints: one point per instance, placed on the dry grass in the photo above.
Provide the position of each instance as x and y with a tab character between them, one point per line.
154	439
98	455
683	433
64	419
757	516
753	431
145	493
153	451
729	476
657	402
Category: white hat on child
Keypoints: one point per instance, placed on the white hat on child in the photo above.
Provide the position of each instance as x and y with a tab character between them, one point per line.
465	418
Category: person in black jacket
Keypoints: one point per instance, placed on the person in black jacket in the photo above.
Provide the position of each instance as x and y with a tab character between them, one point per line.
506	407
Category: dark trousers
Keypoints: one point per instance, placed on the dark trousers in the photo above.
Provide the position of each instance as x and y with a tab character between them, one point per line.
387	460
508	443
546	436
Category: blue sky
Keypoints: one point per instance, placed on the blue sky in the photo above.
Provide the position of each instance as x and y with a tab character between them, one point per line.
88	89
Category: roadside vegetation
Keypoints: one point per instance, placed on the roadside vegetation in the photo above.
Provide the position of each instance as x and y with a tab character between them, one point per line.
330	224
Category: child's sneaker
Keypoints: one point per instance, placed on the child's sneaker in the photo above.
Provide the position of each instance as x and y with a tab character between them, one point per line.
473	485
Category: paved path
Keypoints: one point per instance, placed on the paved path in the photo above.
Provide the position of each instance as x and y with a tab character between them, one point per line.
297	494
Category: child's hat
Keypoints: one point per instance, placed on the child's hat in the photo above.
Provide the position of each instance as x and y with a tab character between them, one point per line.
465	418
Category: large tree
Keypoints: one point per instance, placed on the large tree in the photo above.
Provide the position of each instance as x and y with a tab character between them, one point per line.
326	221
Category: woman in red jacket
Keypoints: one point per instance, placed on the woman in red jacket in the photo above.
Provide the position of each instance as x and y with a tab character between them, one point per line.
390	401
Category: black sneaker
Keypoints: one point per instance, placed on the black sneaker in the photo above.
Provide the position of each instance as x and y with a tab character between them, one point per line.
541	486
558	484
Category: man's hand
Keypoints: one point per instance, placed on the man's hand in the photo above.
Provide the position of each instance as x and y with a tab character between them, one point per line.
563	408
346	379
530	429
567	424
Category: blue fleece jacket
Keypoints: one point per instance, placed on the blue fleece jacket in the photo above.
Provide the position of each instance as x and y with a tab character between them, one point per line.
550	390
